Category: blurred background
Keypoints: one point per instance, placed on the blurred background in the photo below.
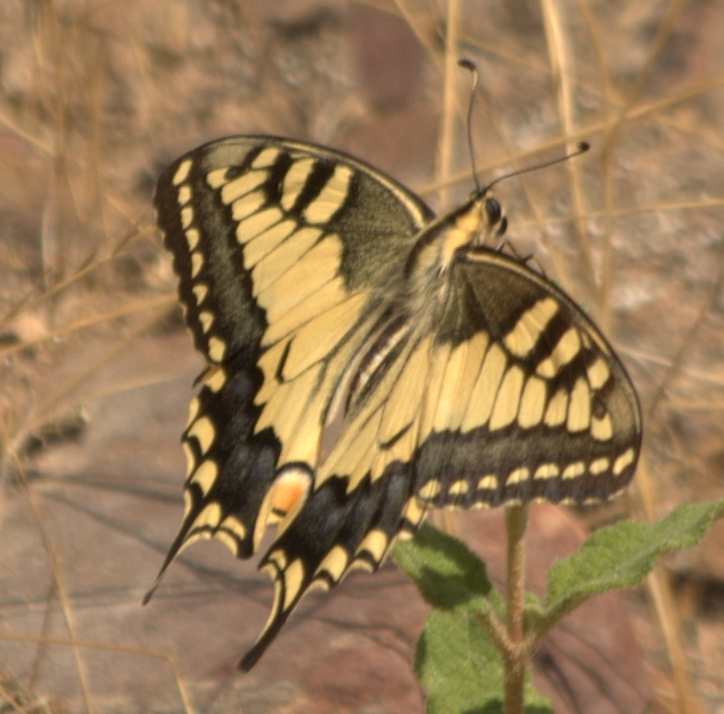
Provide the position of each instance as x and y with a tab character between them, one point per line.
97	96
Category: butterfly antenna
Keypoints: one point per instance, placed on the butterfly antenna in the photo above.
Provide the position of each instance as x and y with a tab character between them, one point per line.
472	68
581	148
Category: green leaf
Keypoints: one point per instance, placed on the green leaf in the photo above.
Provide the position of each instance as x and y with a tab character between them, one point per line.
448	575
622	555
461	670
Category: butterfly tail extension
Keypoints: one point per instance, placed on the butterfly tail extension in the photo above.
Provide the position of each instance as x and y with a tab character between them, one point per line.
333	533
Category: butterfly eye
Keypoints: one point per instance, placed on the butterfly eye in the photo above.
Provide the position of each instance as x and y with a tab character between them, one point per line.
492	208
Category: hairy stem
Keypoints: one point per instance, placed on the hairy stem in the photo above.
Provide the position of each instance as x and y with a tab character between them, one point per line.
516	654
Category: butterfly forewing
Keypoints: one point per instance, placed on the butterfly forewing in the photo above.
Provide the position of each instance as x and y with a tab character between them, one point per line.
367	362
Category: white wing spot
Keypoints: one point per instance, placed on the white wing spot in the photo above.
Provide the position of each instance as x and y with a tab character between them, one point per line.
217	177
206	319
334	563
489	482
187	216
626	459
517	476
577	468
205	476
200	291
182	172
197	262
602	429
598	373
209	517
546	471
217	349
430	490
204	432
458	488
375	543
192	238
184	195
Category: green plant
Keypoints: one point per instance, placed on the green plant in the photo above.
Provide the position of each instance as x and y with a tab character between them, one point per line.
472	654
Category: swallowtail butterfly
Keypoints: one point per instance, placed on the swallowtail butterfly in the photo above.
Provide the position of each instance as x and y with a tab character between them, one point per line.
368	361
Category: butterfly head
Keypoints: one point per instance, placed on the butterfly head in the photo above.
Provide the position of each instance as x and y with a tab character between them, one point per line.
478	223
495	216
492	222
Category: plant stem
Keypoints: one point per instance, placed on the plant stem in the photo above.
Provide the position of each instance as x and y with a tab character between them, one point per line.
516	519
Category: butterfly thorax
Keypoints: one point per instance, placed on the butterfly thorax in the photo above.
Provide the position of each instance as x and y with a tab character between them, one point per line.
476	224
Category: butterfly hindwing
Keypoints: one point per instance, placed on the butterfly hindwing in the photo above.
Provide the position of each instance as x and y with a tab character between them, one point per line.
368	362
281	250
332	533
